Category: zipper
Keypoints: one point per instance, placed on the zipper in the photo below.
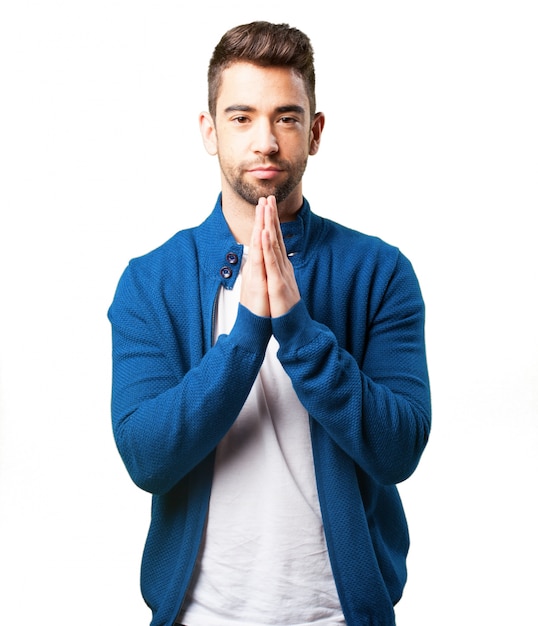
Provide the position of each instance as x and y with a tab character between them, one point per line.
210	344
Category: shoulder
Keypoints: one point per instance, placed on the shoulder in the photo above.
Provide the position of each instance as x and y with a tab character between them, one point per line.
355	247
178	246
147	279
189	249
365	262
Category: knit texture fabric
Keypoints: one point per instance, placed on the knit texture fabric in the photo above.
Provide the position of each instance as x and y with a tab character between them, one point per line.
354	350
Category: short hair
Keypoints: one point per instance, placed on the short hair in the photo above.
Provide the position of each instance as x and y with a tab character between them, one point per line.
266	45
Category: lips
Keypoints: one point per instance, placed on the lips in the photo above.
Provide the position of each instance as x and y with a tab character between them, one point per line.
265	173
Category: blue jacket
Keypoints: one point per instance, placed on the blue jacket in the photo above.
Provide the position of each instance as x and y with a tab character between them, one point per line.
354	350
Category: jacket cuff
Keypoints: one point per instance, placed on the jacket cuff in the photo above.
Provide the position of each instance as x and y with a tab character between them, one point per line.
251	331
296	328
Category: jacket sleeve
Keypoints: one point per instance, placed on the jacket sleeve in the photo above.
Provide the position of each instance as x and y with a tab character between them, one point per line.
165	422
378	412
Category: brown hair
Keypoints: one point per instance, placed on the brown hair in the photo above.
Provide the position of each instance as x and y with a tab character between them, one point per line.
265	44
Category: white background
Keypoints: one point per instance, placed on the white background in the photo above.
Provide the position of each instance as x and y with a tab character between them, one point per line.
431	143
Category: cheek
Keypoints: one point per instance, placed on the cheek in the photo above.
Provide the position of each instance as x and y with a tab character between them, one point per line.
232	146
295	146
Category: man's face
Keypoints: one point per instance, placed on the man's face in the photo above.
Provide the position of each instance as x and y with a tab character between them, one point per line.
263	132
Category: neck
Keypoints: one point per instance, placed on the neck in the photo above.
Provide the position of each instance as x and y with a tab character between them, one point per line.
239	214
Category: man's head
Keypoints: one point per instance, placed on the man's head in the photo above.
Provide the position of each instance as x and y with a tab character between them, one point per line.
262	122
266	45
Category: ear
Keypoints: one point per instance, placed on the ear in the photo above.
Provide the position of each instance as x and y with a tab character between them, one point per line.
209	132
315	133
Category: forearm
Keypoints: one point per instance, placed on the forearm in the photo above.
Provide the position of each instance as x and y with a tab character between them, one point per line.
383	422
163	425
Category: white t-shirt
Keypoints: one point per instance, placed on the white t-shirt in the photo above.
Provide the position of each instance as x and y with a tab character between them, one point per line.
264	557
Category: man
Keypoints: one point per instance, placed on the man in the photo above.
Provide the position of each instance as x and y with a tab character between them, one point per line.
270	382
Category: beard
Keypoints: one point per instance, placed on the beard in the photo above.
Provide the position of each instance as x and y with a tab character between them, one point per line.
251	192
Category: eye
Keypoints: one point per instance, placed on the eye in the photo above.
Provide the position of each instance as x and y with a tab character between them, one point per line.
240	119
286	119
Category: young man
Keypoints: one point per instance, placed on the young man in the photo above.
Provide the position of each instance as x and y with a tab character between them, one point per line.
270	381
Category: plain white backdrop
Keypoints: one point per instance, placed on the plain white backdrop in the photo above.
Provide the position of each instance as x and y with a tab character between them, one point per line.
430	142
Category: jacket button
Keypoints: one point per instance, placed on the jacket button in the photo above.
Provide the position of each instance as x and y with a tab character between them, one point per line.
226	272
232	258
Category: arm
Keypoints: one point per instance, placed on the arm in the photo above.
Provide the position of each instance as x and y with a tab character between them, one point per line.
379	413
166	421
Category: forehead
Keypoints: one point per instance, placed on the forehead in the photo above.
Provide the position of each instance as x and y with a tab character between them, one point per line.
261	87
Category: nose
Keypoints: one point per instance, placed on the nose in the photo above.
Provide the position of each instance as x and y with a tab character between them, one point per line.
264	140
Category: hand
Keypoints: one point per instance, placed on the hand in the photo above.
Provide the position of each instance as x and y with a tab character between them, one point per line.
254	294
282	287
269	286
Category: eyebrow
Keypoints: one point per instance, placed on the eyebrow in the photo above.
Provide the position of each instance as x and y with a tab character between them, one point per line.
287	108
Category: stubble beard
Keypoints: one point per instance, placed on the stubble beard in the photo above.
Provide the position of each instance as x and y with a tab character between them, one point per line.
252	192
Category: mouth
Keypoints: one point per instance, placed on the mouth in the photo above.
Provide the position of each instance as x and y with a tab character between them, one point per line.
265	173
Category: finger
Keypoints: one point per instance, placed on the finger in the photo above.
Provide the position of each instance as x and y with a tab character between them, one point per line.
255	238
274	260
278	230
282	289
254	280
272	226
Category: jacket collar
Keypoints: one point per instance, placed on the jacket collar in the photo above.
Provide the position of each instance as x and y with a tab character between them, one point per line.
221	255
